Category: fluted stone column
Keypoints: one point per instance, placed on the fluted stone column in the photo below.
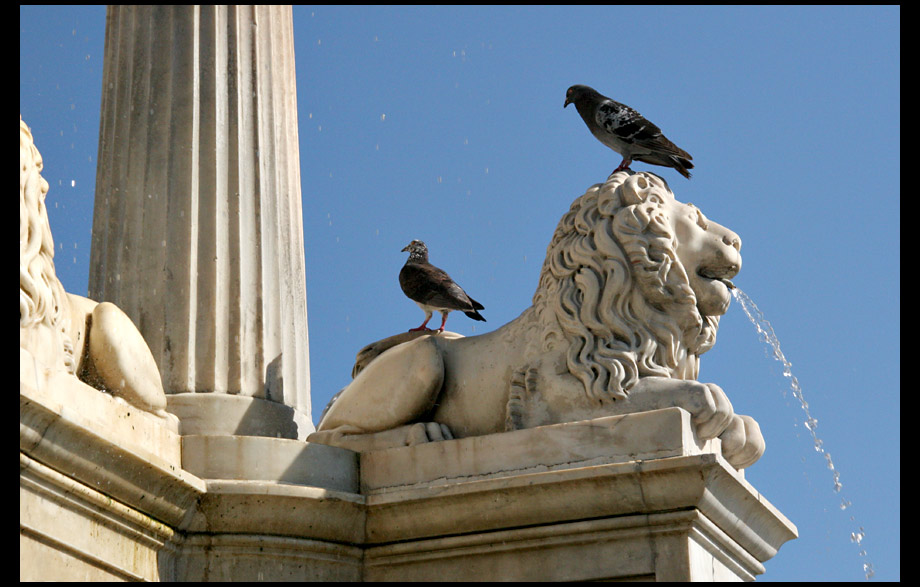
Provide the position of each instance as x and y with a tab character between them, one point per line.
197	230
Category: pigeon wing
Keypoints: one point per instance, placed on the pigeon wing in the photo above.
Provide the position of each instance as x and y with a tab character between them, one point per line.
632	128
426	284
623	122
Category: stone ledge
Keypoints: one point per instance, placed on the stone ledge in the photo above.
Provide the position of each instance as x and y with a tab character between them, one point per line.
704	482
633	496
105	443
613	439
69	531
293	462
639	548
242	557
279	509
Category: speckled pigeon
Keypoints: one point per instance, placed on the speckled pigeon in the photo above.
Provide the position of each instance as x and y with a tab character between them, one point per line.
626	131
433	289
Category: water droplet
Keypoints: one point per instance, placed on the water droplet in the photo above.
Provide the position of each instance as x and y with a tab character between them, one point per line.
768	336
857	537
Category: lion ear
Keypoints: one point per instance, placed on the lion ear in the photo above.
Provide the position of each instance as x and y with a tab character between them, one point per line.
639	186
635	189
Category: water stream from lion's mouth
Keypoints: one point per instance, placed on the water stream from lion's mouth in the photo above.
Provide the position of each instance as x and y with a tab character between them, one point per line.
768	336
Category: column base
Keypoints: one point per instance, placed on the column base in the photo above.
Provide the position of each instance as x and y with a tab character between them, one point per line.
220	414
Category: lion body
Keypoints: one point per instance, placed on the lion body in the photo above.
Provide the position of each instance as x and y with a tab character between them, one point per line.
629	297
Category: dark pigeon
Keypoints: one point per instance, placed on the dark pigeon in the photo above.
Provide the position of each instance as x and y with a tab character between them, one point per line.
433	289
626	131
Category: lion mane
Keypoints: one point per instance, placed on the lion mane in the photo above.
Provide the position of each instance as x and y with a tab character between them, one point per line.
42	299
611	287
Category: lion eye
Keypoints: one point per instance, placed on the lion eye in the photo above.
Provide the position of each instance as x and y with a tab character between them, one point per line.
701	220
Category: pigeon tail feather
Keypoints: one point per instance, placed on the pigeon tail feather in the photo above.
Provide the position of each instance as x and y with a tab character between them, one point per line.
475	315
681	164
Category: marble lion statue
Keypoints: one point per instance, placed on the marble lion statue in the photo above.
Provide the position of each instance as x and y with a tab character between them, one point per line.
66	333
629	297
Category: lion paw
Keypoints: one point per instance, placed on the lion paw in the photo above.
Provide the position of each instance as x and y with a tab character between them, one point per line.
742	442
712	411
422	432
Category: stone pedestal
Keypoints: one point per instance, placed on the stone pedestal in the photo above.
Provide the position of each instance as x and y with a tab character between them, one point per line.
107	493
197	230
622	497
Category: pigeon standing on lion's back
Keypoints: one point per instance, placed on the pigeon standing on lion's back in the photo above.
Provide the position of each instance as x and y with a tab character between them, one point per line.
433	289
626	131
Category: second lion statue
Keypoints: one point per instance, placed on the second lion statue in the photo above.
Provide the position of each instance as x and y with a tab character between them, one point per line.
67	335
629	297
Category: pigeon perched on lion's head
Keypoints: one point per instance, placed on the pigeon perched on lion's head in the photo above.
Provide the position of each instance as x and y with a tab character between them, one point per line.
626	131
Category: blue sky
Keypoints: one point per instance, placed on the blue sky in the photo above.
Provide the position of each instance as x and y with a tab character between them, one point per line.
446	124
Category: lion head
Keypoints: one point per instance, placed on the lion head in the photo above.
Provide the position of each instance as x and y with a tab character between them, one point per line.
633	285
42	299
